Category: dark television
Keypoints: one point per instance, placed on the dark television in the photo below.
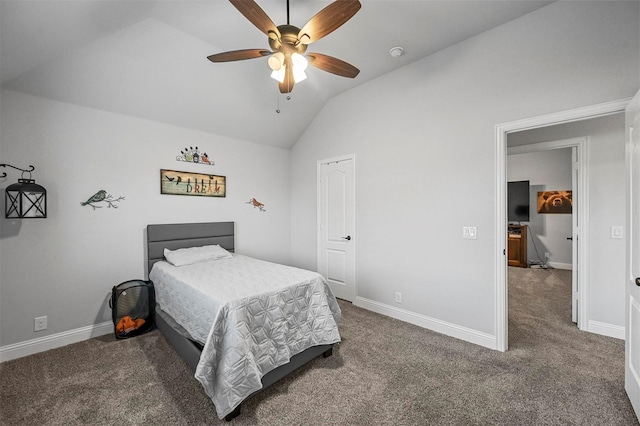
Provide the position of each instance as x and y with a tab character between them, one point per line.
518	201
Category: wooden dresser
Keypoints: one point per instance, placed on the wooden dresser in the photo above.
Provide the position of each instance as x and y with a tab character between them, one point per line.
517	245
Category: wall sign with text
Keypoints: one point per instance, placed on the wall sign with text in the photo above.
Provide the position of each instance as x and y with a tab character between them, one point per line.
197	184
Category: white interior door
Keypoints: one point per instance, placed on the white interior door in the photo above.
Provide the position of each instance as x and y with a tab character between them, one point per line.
575	234
632	338
336	227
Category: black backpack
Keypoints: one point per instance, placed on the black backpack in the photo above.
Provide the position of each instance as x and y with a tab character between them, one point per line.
133	308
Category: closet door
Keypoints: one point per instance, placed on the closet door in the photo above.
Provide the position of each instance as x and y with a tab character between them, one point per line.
336	227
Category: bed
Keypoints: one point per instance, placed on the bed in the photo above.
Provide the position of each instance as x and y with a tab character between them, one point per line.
259	322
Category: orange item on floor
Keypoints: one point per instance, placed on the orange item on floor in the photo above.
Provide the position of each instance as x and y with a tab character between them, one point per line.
126	325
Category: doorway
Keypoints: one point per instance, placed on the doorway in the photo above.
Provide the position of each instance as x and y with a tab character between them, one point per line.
502	130
555	240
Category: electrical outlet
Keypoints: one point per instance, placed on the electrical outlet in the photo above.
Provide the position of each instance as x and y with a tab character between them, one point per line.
546	255
398	297
39	323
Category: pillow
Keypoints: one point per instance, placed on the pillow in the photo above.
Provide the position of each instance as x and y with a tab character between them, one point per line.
191	255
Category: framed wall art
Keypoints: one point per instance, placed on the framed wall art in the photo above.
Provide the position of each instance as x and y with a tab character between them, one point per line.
559	202
174	182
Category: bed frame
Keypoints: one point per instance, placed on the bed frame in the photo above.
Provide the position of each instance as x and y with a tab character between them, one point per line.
183	235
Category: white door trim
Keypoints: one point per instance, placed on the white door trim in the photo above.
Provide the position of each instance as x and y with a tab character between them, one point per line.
501	313
320	163
580	238
632	267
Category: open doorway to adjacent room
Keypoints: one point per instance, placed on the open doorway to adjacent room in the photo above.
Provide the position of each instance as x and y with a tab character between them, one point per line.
542	274
590	140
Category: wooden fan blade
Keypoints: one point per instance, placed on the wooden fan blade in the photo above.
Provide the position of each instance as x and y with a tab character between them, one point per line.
333	65
287	84
238	55
257	17
328	20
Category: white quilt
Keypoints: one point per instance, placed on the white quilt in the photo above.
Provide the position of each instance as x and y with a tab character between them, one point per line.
252	316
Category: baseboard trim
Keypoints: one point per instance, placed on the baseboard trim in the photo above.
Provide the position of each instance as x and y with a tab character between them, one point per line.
442	327
605	329
558	265
33	346
52	341
552	265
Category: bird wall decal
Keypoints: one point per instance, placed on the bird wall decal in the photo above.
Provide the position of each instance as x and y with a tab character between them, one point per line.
102	196
193	155
257	204
95	198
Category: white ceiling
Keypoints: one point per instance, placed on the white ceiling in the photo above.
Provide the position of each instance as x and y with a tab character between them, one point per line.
147	59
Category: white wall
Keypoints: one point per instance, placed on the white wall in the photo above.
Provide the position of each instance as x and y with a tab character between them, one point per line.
65	265
428	129
545	171
606	154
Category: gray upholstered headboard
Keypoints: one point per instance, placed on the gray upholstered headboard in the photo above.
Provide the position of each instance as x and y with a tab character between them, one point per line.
181	235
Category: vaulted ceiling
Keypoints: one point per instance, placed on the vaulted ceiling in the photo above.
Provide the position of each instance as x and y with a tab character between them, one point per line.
148	59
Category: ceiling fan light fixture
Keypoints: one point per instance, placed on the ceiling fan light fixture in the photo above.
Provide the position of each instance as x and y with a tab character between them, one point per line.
279	74
288	43
299	75
299	62
276	61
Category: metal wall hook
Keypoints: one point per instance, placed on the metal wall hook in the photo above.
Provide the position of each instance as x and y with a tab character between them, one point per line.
25	199
4	174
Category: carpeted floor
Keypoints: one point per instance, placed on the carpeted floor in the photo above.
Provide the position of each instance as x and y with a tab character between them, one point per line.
385	372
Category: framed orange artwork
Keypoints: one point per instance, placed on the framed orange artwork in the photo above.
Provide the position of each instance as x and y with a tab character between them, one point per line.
558	202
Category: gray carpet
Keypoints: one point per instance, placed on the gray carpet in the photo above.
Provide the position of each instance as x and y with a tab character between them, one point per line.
385	372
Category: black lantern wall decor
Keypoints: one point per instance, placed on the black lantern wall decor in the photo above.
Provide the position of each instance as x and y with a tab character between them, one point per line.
25	199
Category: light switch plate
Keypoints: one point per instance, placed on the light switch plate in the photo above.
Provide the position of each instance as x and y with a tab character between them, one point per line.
469	232
616	231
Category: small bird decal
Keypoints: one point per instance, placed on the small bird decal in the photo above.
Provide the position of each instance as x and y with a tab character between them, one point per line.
101	196
257	204
95	198
188	155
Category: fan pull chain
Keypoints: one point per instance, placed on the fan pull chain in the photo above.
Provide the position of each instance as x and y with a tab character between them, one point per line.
288	97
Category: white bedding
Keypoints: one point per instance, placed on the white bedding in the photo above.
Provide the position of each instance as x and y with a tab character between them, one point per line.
252	316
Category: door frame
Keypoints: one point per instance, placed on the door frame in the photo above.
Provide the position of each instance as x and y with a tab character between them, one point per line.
501	313
632	378
319	164
580	215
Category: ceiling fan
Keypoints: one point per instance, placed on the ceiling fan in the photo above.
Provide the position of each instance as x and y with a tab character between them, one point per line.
288	43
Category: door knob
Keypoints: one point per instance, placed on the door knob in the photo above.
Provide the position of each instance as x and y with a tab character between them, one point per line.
348	238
